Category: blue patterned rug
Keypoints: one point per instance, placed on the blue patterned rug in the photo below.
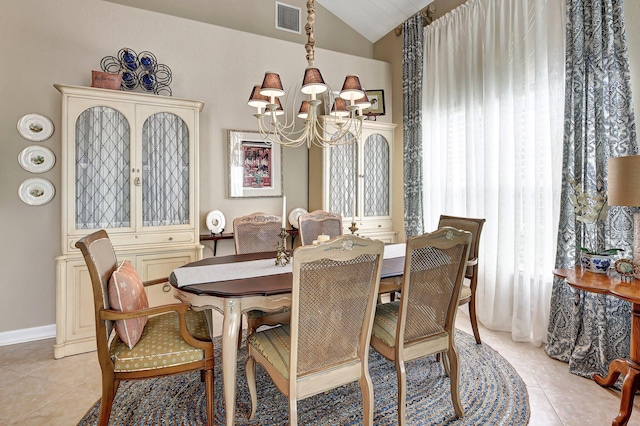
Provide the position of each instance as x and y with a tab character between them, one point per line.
491	392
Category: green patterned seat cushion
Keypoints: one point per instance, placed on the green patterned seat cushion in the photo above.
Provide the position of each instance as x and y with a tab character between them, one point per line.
274	344
161	344
260	314
465	291
386	322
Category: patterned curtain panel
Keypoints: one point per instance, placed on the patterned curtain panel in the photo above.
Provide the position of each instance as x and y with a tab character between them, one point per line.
412	60
585	329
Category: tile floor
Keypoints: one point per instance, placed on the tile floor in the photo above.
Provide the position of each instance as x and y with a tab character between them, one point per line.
35	389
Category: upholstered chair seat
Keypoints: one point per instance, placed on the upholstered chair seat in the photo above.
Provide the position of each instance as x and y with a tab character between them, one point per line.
161	344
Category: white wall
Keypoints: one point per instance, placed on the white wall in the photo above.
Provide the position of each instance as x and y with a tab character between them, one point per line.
42	43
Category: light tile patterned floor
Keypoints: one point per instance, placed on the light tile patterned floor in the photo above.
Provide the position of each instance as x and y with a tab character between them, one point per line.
35	389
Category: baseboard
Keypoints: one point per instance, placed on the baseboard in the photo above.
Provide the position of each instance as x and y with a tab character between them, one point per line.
27	335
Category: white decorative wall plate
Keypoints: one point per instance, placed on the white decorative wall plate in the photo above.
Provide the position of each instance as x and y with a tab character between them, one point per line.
295	214
215	221
35	127
36	159
36	191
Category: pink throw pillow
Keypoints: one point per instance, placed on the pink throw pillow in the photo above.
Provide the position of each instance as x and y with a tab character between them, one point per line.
126	294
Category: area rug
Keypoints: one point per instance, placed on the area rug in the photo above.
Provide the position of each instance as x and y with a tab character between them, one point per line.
492	393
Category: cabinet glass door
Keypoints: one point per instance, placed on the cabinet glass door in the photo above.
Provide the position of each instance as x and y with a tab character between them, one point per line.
376	176
165	170
102	169
342	179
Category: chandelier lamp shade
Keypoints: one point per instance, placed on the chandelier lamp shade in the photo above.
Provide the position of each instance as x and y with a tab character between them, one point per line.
624	190
277	126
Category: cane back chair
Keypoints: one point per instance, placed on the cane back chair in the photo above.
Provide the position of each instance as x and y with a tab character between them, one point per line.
174	340
334	292
256	233
422	322
318	222
468	292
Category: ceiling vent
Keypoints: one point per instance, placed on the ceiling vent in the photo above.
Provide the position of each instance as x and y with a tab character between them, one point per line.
287	18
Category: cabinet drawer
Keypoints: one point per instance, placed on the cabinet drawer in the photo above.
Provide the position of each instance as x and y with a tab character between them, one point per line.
130	240
165	238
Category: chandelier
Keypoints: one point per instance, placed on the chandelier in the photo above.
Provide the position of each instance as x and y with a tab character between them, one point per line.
277	126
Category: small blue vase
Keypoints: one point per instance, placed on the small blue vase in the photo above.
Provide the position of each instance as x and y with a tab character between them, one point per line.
129	80
146	62
129	60
147	82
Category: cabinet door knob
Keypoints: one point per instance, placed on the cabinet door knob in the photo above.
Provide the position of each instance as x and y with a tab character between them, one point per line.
166	288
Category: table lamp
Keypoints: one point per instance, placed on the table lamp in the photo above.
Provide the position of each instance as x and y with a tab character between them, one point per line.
624	190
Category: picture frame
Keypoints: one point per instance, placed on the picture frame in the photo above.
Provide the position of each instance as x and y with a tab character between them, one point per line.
626	268
376	97
255	165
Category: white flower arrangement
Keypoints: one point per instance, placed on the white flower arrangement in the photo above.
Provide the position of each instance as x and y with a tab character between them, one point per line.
590	209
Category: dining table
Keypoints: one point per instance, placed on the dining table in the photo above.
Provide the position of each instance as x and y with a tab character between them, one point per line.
235	284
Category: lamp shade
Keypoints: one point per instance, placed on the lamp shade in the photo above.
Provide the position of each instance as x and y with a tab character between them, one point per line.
351	89
339	108
279	109
304	110
271	85
363	102
256	99
624	181
313	83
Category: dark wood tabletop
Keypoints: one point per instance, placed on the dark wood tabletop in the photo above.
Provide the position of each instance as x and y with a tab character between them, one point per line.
266	285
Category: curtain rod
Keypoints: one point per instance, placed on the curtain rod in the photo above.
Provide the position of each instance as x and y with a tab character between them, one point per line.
427	18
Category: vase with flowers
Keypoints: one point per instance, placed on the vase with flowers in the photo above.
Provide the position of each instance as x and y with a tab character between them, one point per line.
591	210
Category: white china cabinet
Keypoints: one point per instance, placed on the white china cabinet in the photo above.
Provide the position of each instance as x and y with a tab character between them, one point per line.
130	166
355	176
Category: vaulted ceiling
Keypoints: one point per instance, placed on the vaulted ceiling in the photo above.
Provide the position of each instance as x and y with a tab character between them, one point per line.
374	18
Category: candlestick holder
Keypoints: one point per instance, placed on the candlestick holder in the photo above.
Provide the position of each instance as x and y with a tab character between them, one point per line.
283	257
353	228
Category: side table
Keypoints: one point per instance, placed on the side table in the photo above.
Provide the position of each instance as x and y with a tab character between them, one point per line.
217	237
630	367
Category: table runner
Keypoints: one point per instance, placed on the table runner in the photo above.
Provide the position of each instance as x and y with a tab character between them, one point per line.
250	269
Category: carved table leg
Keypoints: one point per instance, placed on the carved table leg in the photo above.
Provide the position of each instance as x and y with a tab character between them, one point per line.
630	368
617	367
231	328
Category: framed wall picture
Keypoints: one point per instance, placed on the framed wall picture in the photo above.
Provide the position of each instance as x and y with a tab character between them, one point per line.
376	97
255	165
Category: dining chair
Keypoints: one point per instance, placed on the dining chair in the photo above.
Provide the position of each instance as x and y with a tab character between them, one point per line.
422	322
255	233
135	341
318	222
468	292
335	286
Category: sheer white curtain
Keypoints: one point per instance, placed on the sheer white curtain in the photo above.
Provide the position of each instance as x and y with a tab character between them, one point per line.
492	127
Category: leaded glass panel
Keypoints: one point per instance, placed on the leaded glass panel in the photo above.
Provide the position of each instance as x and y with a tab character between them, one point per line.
102	169
165	170
342	180
376	182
